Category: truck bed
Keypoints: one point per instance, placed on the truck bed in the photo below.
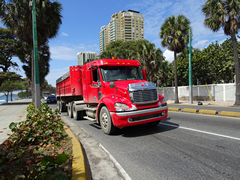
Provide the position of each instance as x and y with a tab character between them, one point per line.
70	84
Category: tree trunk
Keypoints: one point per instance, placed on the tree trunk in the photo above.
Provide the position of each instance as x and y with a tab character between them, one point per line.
33	80
237	69
11	96
6	97
175	79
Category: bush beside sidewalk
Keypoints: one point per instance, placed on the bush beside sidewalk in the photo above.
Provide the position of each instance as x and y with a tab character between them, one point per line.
39	148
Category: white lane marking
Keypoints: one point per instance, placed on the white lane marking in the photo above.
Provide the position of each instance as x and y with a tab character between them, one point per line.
124	173
205	132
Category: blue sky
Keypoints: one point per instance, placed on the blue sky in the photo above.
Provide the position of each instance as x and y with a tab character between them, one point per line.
82	21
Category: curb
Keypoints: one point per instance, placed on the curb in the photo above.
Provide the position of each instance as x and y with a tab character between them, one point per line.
231	114
210	112
205	111
79	171
188	110
173	109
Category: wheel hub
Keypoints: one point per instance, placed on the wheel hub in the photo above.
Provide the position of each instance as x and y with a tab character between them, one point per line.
104	120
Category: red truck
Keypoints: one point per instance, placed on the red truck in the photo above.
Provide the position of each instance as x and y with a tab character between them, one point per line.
111	92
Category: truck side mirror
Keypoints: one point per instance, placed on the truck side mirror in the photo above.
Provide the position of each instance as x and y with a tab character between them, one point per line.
88	77
144	74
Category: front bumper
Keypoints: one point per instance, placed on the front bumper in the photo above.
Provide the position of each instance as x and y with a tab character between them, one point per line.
124	119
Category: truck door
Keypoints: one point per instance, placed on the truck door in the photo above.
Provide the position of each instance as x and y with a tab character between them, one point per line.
95	87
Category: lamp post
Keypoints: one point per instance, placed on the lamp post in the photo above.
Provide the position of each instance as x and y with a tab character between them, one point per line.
35	47
190	70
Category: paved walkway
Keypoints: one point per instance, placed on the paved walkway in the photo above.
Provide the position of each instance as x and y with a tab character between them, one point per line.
14	111
215	105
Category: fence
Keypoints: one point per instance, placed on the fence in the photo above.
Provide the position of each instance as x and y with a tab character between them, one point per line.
219	92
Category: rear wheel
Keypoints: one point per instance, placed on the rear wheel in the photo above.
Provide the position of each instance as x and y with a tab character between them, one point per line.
61	106
106	121
77	115
70	110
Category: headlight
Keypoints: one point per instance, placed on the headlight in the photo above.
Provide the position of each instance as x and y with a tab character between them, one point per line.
124	107
162	102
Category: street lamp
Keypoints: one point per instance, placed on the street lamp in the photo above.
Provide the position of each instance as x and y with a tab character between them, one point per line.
35	47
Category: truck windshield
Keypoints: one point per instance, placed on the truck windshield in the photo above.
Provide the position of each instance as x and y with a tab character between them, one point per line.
120	73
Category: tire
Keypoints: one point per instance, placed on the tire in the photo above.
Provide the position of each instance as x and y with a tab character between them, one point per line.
62	107
58	105
106	121
70	110
152	124
77	115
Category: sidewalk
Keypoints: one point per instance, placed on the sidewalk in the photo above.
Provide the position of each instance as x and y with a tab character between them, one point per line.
14	111
206	103
225	108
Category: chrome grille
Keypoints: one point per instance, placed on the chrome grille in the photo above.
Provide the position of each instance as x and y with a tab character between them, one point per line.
144	96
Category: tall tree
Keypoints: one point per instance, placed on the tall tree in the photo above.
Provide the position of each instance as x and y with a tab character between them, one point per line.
150	58
175	35
225	14
9	47
17	17
8	86
44	57
142	50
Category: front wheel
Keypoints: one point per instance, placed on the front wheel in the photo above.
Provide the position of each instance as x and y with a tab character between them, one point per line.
106	121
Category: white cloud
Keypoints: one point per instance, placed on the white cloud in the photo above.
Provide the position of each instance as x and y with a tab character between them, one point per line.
201	44
69	52
63	53
64	34
222	41
54	74
155	12
169	55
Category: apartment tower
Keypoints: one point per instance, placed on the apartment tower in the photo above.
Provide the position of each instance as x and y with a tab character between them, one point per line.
125	26
84	56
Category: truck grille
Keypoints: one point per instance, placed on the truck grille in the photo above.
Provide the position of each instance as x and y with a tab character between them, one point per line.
144	96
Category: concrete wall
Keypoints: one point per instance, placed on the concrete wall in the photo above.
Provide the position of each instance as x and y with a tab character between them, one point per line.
218	92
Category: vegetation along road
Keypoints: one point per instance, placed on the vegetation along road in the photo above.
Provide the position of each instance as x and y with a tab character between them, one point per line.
184	146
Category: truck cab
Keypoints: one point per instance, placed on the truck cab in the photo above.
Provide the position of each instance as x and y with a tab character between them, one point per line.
115	94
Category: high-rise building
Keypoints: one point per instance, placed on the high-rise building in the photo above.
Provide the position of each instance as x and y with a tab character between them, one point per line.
125	26
104	37
84	56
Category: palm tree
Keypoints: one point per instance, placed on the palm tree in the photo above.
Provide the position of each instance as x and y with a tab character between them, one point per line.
175	35
17	17
163	72
150	58
225	14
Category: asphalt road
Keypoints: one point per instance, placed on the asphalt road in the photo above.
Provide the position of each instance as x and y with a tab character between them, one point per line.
185	146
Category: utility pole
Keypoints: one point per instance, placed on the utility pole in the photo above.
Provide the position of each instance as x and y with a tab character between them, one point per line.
190	70
35	46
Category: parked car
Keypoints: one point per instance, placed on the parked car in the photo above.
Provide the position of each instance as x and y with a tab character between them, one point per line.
51	99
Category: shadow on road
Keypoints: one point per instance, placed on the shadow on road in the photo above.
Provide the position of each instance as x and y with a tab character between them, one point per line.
144	130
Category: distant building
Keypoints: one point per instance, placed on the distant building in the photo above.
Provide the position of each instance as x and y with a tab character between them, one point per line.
84	56
104	37
125	26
